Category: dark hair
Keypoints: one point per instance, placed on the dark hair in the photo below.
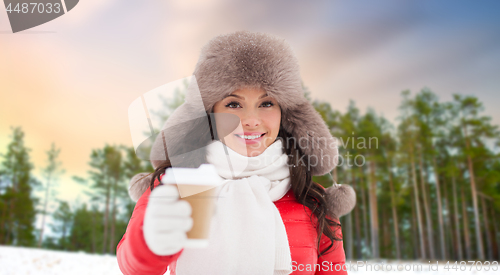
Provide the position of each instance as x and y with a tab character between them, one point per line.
306	191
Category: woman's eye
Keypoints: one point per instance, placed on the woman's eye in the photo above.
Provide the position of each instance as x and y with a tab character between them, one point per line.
233	104
268	104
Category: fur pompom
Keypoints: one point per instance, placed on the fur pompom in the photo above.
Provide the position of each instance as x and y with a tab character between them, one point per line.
341	199
138	185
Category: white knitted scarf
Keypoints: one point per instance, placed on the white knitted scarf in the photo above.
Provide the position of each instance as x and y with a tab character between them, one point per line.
247	234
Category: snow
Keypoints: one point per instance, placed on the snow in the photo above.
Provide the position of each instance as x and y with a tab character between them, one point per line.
21	260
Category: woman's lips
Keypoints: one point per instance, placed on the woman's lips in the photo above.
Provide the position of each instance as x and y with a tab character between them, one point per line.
250	141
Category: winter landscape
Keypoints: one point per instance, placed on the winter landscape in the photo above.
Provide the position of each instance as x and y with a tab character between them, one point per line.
20	260
410	90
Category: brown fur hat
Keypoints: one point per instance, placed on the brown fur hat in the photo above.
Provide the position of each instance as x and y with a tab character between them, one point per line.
248	59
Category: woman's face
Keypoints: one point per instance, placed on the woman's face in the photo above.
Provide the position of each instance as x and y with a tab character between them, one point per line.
260	118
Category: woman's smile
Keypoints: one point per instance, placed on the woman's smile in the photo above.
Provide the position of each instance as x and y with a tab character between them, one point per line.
250	138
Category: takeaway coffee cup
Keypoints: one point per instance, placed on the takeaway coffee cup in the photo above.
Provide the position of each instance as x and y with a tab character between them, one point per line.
197	187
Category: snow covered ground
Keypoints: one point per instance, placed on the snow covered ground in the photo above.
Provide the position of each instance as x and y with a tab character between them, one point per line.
20	260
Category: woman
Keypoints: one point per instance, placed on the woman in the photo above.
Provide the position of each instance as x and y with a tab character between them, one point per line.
273	218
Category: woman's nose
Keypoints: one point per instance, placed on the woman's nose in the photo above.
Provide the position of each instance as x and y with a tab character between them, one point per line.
250	119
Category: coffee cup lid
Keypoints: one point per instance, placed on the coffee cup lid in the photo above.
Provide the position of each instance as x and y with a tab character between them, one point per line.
206	174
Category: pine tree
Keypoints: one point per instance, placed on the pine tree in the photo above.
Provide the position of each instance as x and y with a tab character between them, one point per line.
389	149
106	176
407	132
63	219
475	130
370	129
18	206
50	172
112	166
85	229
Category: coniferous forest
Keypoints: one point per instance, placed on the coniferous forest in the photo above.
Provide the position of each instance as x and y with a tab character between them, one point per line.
427	185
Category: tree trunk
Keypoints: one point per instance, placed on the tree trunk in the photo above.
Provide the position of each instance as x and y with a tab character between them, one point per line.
479	239
430	233
12	230
394	213
63	244
374	212
349	238
450	241
440	211
113	222
383	233
466	226
495	236
94	225
365	216
359	254
106	218
417	206
3	232
457	223
487	230
348	244
414	227
40	238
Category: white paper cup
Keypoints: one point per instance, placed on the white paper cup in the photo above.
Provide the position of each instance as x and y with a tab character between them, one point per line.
197	187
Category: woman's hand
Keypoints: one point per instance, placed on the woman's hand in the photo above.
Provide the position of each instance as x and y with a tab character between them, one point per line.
166	221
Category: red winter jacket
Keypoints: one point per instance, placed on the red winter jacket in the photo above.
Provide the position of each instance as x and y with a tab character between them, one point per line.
134	256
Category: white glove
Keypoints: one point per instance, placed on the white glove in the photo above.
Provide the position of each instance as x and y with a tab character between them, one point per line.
166	221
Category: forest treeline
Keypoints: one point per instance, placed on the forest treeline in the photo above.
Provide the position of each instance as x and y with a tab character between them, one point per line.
427	187
95	226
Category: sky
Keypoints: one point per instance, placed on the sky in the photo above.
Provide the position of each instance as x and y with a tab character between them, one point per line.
71	80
